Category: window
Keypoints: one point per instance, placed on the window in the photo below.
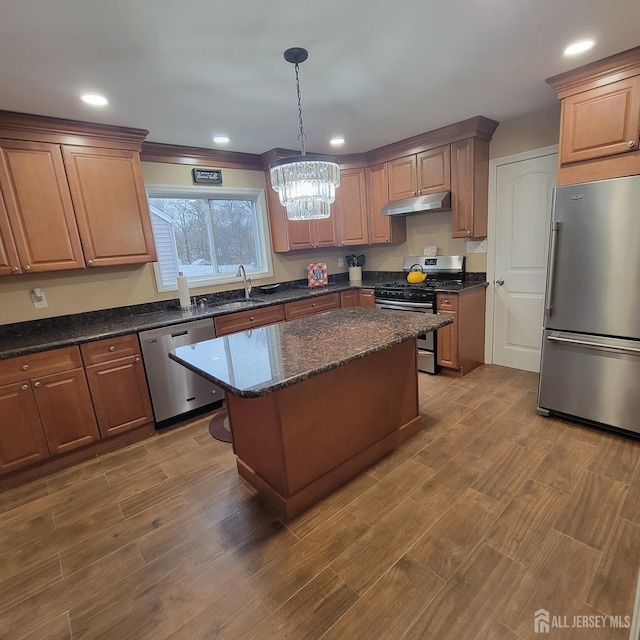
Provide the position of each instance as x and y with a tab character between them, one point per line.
206	233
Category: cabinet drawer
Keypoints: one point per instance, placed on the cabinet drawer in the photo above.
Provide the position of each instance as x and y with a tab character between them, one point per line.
244	320
446	302
110	349
301	308
39	364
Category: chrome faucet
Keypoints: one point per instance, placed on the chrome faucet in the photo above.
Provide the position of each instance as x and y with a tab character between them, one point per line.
247	281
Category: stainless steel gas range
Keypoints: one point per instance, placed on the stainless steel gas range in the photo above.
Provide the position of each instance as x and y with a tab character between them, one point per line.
401	295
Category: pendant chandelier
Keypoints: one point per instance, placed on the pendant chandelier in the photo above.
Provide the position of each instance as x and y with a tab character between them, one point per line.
306	184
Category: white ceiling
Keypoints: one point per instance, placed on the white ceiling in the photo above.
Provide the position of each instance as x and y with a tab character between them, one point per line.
377	72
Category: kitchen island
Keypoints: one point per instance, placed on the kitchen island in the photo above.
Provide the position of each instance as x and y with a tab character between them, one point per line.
312	402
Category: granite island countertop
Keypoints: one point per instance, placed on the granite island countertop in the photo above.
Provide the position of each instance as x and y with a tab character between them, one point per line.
256	362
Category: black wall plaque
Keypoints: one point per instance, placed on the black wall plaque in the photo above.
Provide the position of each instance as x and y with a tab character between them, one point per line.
207	176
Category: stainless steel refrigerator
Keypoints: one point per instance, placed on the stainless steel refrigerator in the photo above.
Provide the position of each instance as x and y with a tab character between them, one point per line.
590	366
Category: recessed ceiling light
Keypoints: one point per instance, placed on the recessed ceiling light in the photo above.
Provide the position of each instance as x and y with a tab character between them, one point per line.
221	139
94	99
336	141
579	47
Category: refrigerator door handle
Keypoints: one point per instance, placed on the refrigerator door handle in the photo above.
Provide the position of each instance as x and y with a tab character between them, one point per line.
555	228
596	345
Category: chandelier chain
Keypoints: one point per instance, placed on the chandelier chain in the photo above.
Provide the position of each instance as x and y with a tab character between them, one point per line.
302	136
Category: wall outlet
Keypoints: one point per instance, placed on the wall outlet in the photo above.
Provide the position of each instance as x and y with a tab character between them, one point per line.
39	299
477	246
340	262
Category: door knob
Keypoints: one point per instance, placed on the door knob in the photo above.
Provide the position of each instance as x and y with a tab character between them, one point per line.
499	282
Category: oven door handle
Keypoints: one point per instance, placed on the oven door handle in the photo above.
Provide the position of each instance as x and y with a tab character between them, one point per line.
425	307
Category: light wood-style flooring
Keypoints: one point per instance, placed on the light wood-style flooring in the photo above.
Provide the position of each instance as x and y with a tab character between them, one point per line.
489	514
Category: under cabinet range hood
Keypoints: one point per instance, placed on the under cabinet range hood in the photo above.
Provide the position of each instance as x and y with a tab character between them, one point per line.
431	202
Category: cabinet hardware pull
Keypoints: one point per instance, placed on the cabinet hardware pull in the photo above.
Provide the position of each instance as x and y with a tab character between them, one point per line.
37	384
112	348
251	318
313	304
90	262
137	359
27	267
631	144
25	367
24	387
15	269
468	233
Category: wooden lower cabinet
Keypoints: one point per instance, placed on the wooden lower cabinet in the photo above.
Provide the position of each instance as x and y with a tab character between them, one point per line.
22	440
311	306
66	412
460	346
349	298
120	395
245	320
366	298
44	416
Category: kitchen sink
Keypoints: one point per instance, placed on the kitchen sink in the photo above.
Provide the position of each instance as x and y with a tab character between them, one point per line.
237	304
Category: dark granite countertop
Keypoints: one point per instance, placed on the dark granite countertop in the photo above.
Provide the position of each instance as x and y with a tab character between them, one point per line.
51	333
256	362
464	286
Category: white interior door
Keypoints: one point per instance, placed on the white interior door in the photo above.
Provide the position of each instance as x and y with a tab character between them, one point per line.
524	192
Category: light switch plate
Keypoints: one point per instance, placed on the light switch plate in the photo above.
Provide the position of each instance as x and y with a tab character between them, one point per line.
39	299
477	246
430	250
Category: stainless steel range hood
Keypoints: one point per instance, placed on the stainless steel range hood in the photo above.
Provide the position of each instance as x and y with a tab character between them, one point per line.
432	202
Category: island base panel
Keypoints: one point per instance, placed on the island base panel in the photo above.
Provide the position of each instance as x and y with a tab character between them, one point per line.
297	444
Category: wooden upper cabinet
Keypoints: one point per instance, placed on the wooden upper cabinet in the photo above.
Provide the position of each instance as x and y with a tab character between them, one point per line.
434	170
420	174
382	229
603	121
290	235
110	204
600	119
469	188
402	178
38	203
351	208
9	262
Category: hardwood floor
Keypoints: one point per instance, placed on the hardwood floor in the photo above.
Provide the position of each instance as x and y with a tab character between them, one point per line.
487	515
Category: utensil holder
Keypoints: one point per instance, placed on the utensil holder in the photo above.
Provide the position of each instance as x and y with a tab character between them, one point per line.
355	275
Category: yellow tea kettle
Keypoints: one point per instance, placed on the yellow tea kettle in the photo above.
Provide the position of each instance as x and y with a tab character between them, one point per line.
416	276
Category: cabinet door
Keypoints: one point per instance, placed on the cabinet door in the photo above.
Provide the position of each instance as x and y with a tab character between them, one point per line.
434	170
9	263
36	195
22	440
402	178
351	208
324	232
469	188
447	342
65	410
349	298
111	205
120	395
299	234
382	229
367	298
601	122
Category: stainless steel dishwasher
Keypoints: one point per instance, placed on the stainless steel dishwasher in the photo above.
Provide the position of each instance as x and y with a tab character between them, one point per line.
174	389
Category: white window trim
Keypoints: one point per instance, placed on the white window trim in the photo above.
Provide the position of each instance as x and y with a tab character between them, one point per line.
264	237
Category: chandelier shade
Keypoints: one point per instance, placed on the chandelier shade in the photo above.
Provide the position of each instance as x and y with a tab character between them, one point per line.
306	184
